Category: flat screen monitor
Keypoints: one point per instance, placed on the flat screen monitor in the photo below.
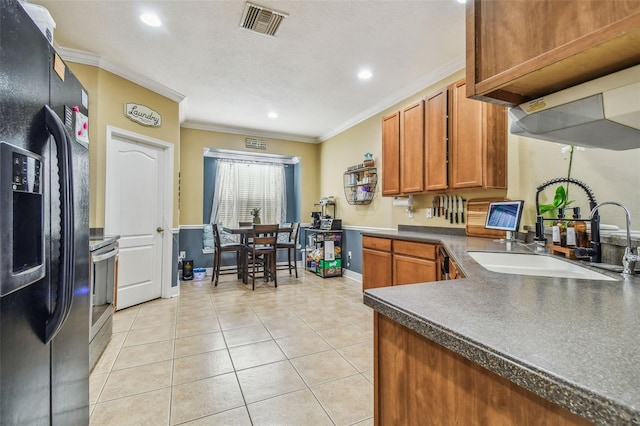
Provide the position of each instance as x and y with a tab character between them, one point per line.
504	215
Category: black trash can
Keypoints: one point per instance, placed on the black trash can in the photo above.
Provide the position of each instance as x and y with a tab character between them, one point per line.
187	270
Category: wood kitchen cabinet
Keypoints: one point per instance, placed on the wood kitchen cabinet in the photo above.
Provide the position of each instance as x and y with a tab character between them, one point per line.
413	262
376	262
435	140
520	50
478	142
403	151
412	149
419	382
388	262
447	142
391	154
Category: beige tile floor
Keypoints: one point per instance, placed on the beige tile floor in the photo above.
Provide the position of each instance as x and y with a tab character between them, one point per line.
299	354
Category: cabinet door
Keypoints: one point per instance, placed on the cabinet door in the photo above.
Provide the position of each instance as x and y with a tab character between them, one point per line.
435	141
410	270
391	154
467	143
376	269
566	43
412	149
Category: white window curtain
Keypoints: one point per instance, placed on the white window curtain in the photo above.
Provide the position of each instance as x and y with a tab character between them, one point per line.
242	186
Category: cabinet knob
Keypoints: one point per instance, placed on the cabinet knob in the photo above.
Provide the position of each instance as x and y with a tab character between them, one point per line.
160	229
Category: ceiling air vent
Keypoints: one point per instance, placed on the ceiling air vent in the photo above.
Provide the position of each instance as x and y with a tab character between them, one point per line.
261	20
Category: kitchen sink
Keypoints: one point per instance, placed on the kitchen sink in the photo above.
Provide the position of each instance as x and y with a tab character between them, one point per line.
534	264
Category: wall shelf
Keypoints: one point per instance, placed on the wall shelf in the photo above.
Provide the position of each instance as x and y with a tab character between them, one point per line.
360	185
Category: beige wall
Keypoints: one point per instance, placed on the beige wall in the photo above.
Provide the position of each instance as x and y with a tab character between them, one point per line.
107	95
348	148
611	175
193	144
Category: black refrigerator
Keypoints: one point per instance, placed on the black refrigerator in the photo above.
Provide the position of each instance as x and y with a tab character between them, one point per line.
44	231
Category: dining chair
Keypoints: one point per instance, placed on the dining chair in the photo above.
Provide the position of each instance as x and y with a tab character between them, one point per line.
292	247
245	236
220	248
261	254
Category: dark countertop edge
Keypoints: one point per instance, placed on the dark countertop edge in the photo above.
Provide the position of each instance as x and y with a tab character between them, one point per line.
578	400
103	242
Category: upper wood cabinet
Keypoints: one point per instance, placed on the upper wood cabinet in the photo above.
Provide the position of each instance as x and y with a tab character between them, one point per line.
412	149
478	142
403	151
391	154
521	50
435	140
446	142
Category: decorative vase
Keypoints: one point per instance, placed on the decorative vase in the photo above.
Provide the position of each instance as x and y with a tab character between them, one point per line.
256	220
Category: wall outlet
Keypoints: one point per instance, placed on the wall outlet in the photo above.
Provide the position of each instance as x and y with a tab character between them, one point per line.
429	213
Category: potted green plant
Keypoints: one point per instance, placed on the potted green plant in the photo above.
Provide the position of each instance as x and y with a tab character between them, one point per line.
256	214
561	197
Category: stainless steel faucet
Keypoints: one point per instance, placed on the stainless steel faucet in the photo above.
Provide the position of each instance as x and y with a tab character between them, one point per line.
629	259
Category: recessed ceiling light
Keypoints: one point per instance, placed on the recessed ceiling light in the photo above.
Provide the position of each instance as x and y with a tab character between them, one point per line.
462	1
365	75
150	19
272	115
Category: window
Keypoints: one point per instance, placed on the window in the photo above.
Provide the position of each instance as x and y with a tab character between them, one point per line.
242	186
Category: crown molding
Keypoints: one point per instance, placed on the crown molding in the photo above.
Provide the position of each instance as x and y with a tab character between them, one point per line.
93	59
248	132
427	80
88	58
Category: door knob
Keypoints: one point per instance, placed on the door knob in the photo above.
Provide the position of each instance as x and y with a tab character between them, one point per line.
160	229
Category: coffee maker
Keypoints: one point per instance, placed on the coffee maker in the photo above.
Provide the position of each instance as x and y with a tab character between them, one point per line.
317	216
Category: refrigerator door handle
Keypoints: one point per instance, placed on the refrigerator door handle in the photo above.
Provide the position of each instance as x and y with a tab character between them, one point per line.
66	280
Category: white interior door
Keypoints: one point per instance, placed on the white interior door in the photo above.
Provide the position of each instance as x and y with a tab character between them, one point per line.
134	210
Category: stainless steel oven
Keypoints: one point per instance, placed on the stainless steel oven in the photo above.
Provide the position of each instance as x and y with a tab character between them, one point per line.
104	254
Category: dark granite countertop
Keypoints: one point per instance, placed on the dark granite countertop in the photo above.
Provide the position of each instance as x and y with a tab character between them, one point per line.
574	342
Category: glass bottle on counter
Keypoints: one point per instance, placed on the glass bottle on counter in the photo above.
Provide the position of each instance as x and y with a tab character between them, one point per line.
582	236
571	234
562	227
555	232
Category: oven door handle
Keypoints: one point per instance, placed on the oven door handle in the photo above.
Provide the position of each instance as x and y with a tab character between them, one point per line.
105	256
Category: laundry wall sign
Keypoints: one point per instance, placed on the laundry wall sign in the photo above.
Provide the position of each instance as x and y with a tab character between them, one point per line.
142	114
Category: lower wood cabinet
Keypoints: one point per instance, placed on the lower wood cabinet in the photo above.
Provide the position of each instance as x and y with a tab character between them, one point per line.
419	382
388	262
376	269
409	270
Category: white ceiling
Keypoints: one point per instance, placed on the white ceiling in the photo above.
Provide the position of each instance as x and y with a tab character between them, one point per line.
229	78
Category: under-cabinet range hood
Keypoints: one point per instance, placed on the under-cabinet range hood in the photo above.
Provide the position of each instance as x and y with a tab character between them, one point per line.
602	113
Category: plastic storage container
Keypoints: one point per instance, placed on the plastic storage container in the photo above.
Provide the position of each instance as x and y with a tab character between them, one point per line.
199	273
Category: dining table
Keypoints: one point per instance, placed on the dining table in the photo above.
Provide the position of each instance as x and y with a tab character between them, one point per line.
245	233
